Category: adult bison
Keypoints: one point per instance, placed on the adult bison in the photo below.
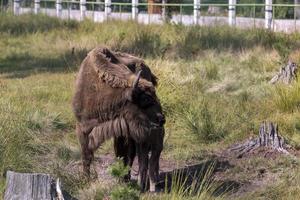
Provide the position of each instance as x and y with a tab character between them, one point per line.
115	98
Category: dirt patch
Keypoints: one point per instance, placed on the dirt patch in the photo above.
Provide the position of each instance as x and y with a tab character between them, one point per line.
233	175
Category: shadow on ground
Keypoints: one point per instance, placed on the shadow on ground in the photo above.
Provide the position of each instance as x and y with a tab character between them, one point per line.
176	174
196	176
23	65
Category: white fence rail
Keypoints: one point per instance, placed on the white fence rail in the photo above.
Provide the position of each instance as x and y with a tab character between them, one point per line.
187	14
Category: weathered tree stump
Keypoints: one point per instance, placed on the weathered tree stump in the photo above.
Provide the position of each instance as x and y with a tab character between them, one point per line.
35	186
286	74
268	137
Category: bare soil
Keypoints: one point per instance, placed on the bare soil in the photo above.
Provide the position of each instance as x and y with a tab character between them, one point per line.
234	175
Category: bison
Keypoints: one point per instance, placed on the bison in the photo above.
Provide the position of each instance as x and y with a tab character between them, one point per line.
115	98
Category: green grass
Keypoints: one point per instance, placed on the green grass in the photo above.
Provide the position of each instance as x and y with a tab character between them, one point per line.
213	85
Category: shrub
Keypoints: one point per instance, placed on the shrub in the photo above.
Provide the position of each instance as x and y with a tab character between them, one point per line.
124	193
118	169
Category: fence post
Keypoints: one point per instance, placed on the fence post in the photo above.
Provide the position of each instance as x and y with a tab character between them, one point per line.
268	14
232	12
82	9
134	9
58	8
163	10
107	9
16	7
37	6
196	11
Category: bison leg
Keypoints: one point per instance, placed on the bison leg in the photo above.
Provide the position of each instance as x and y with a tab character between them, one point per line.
131	154
142	151
157	141
125	149
121	149
154	167
87	126
86	153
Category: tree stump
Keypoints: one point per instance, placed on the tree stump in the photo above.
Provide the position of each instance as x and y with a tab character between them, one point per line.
268	137
286	74
35	186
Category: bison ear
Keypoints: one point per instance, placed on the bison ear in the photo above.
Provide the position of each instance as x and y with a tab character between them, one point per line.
136	81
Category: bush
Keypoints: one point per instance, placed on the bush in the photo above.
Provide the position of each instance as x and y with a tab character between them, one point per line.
124	193
118	169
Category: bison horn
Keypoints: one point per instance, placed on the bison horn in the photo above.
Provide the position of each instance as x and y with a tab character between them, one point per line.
136	81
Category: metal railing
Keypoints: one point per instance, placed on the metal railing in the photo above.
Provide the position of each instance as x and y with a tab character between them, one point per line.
277	17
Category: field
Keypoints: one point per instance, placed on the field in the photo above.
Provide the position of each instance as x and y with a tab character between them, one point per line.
213	85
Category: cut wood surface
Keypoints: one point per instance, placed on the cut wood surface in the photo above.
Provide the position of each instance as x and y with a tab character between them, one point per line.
32	186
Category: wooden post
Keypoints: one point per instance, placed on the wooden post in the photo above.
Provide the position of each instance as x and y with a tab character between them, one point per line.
16	7
297	8
135	9
37	6
82	9
268	14
163	10
232	12
58	8
107	9
196	11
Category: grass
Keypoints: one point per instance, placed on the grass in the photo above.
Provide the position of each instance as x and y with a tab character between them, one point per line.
213	85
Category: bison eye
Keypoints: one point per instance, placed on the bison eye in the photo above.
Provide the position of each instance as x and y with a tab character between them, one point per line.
145	100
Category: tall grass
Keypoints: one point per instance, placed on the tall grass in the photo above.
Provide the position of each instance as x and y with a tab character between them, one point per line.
202	122
153	40
185	186
16	144
287	98
29	23
200	188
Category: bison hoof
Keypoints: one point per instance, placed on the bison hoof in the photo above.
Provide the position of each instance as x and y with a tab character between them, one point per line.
126	178
152	188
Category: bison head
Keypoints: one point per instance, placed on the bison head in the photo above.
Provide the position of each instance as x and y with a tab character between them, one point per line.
144	96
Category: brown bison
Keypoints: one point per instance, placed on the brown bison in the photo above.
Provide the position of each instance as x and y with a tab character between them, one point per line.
115	98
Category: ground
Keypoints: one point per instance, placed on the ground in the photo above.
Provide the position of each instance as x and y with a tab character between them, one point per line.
213	86
236	176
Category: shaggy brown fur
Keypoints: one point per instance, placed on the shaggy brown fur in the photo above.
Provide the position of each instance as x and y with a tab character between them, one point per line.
111	101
